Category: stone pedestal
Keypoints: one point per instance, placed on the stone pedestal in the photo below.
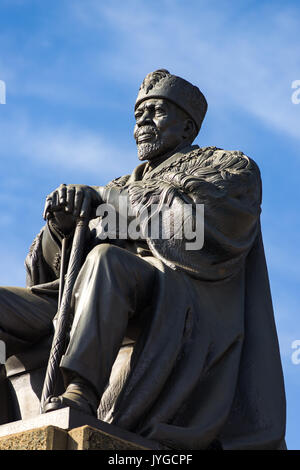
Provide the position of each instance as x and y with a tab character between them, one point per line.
88	438
46	438
69	429
53	438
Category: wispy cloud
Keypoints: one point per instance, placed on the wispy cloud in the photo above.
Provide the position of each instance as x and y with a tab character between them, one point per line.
65	147
245	60
248	62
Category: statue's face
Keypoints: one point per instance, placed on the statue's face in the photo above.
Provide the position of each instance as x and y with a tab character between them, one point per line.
159	128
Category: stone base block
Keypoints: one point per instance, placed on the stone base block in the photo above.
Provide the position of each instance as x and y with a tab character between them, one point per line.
69	429
53	438
46	438
88	438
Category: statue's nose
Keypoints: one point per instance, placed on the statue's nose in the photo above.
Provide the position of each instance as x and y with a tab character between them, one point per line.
144	119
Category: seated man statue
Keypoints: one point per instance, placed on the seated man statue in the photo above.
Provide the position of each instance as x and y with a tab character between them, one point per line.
205	369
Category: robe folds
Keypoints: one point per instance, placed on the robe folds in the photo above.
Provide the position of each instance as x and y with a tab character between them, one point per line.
205	369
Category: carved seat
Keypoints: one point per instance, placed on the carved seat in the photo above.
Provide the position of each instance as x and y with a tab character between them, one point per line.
24	380
21	382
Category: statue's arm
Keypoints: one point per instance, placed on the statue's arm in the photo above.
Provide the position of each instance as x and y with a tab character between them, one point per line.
43	260
229	187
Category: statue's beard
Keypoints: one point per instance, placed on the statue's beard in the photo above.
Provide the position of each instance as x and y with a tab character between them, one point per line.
152	149
149	150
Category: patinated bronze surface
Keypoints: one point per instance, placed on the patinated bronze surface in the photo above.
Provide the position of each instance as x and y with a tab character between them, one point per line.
178	345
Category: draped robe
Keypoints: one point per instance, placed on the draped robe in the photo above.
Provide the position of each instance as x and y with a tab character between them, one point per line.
205	369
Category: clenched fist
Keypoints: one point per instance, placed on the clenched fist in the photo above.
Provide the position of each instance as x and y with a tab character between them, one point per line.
68	202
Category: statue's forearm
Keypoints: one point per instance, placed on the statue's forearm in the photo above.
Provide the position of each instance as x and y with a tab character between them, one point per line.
43	260
51	248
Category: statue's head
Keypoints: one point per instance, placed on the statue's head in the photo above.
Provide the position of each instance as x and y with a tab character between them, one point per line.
169	112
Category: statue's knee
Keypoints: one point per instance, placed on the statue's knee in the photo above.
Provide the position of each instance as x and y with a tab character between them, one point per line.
3	291
104	253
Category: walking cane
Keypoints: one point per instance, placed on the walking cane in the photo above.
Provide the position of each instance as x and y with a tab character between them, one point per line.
64	306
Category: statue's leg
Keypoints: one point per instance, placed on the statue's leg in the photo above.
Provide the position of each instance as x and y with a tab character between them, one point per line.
112	287
25	317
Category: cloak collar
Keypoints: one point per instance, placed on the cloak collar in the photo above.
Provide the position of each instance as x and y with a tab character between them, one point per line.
137	173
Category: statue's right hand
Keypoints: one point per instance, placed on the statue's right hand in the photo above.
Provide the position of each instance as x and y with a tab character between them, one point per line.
68	202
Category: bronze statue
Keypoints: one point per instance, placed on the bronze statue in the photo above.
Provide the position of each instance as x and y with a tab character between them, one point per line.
202	366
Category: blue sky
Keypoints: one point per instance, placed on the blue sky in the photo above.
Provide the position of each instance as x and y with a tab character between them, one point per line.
72	71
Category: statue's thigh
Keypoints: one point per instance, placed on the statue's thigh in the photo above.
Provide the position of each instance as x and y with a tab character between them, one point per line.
120	270
24	314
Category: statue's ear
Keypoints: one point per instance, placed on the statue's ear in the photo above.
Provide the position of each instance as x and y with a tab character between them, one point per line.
189	130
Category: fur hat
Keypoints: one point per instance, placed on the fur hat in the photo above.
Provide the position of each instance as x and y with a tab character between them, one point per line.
161	84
